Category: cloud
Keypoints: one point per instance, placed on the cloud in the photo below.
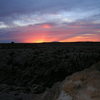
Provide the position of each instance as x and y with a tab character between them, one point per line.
3	25
59	18
49	20
24	6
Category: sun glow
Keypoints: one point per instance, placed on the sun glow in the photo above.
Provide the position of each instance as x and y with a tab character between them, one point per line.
39	41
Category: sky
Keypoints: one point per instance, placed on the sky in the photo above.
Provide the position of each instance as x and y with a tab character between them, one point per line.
34	21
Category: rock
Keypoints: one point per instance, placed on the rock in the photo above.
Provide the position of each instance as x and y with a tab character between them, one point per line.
83	85
64	96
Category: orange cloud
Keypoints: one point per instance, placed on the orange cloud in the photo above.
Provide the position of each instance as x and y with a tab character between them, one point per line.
47	26
87	37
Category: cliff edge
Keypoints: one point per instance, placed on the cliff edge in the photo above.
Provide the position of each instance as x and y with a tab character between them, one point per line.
83	85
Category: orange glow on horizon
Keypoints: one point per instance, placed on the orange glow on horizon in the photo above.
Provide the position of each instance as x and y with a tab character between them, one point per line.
39	41
42	33
79	38
72	39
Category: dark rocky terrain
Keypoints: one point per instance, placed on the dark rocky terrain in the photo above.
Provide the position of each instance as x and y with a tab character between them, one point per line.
34	68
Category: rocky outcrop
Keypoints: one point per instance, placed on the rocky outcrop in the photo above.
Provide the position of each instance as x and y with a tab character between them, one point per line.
83	85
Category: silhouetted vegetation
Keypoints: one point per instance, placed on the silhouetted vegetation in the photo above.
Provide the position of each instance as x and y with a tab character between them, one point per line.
35	67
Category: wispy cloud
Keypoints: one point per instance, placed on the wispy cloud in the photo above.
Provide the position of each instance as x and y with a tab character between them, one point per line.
47	20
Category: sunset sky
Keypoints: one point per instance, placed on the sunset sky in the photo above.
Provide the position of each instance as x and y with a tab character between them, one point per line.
49	20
